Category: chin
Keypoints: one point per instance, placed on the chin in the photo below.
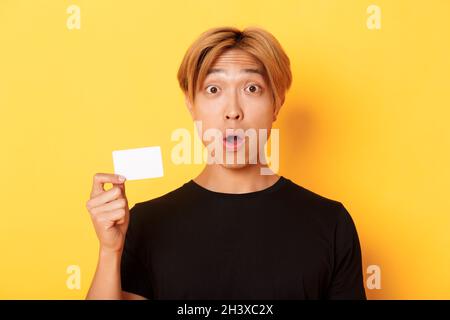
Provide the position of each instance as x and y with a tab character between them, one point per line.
234	165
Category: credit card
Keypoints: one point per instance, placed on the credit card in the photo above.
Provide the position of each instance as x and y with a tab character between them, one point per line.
138	163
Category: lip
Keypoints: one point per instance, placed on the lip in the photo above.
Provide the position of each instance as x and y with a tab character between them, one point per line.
235	145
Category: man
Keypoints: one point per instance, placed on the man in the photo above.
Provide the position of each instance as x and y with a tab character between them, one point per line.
236	231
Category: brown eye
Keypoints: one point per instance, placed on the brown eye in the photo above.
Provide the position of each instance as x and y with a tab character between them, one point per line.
253	88
212	89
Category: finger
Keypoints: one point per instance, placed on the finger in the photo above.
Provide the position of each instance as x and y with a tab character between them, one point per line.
100	179
110	206
108	219
121	220
107	196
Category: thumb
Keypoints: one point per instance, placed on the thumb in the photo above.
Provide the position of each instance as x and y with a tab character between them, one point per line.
122	187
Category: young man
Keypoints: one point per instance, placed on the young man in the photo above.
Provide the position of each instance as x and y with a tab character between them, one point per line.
232	232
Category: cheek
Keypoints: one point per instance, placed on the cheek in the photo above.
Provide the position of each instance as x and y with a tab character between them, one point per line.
207	105
260	113
209	114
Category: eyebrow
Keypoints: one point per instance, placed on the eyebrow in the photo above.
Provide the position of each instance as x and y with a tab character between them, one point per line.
247	70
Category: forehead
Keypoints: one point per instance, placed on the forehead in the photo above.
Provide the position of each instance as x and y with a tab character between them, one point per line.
236	59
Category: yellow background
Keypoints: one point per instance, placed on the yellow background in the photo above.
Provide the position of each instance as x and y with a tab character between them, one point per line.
365	122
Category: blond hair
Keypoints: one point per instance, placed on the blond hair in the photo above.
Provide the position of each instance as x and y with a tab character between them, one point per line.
256	41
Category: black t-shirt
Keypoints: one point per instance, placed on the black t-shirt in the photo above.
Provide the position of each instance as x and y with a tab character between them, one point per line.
283	242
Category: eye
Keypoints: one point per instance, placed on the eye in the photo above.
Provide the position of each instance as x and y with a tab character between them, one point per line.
212	89
254	88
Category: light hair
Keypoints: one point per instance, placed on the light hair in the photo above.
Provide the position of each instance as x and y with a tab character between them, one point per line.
257	42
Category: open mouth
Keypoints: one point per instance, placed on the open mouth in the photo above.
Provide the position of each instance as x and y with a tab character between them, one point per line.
233	141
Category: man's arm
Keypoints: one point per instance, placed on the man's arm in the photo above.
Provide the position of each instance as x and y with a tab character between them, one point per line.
347	282
106	283
132	296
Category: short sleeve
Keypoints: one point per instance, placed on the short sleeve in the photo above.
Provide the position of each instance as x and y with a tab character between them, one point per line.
347	279
133	272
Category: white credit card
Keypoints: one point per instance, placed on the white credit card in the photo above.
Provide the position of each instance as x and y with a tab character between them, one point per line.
139	163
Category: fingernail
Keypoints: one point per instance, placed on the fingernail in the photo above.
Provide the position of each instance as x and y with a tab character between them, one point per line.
122	178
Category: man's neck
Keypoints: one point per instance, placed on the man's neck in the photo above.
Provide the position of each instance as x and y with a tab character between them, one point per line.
217	178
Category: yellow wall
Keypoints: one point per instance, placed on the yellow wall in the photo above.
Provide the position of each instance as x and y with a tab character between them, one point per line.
365	123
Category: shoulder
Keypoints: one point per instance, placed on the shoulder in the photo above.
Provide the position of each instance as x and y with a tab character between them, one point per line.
317	205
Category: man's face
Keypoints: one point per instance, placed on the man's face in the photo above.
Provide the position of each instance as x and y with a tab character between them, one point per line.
235	95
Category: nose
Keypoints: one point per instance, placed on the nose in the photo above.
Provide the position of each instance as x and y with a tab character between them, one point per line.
233	115
234	110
